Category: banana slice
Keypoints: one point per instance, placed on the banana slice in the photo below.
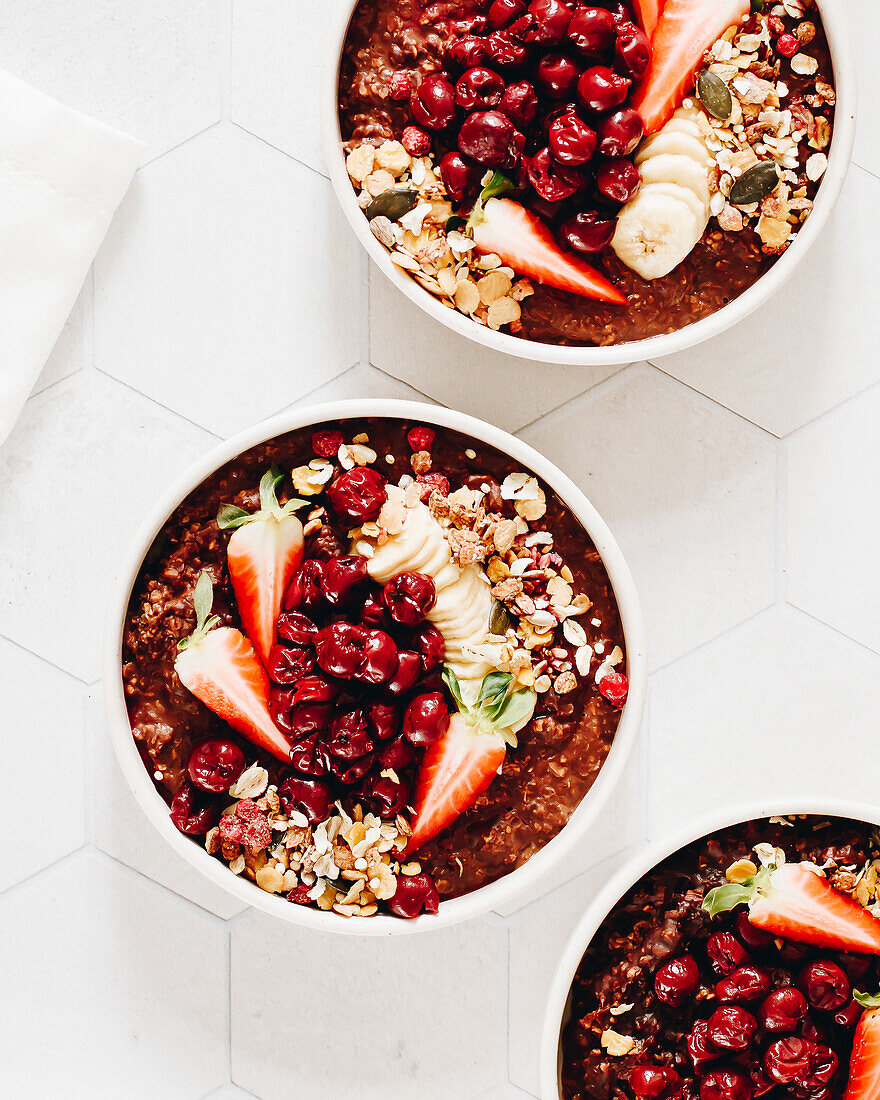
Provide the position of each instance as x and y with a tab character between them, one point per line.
686	173
655	231
699	208
675	143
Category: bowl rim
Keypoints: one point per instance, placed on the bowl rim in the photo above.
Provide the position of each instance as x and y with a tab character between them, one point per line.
629	874
517	883
655	347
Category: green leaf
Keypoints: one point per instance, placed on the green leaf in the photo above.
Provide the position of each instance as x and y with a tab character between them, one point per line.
451	681
724	898
867	1000
203	600
493	692
230	515
757	5
455	223
499	184
517	707
269	483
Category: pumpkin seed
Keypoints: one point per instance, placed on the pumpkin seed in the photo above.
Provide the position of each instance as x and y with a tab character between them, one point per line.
500	621
754	184
393	203
715	95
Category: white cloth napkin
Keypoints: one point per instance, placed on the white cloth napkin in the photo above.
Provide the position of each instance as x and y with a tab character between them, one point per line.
62	175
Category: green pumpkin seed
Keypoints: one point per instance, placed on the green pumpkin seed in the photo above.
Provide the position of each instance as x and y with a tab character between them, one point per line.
392	204
754	184
714	95
500	620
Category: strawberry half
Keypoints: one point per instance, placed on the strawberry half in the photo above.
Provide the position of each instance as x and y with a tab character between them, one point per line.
796	903
526	244
864	1062
685	30
648	13
263	554
219	666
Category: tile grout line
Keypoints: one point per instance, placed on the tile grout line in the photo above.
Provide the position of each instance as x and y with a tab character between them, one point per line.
782	524
216	437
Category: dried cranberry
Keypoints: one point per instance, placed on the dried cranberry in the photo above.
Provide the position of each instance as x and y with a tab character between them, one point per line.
358	494
409	597
409	669
433	103
725	1084
750	935
287	664
255	832
602	89
700	1048
343	579
731	1028
592	31
310	797
588	232
426	719
503	12
486	136
299	895
192	813
397	754
461	177
572	141
420	438
295	627
652	1082
618	179
557	75
677	980
503	51
432	482
552	181
620	133
309	756
743	986
825	985
327	444
432	649
414	894
340	648
304	589
467	50
786	1060
384	796
478	89
788	45
783	1009
633	50
215	765
349	736
614	686
384	721
379	659
416	141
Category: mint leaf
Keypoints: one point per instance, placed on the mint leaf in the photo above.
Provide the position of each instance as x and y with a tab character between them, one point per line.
517	707
269	483
493	692
231	516
451	681
724	898
203	597
867	1000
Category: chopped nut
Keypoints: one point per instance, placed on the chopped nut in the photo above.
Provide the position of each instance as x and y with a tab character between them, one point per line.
565	683
467	297
503	311
616	1045
493	286
740	871
360	161
251	783
392	156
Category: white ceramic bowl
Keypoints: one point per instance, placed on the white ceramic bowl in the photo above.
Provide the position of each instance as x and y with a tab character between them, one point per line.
556	1013
838	163
518	882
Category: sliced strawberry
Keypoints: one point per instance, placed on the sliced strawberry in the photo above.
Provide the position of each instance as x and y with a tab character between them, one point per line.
864	1062
263	554
648	13
796	903
219	666
526	244
685	30
455	771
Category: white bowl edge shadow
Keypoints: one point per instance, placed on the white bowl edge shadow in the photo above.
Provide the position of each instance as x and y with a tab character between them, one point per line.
557	1006
655	347
521	882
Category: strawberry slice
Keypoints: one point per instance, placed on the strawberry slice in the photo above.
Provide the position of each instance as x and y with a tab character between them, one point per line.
864	1061
794	902
685	30
455	771
263	554
219	666
526	244
648	12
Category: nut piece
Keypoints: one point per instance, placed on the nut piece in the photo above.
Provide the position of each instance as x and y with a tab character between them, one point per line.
740	871
615	1044
360	161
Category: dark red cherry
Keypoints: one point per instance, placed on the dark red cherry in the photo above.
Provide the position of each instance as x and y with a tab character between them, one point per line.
783	1010
551	21
461	176
192	813
415	894
503	51
429	642
725	1084
677	980
397	754
619	12
786	1060
701	1050
478	89
633	51
725	953
340	647
358	495
466	51
306	718
304	590
486	136
349	736
409	669
309	756
652	1082
552	181
572	142
287	664
384	721
311	797
750	935
503	12
618	179
588	232
295	627
557	75
432	105
215	765
351	771
856	966
849	1015
385	797
823	1065
620	133
744	985
814	1031
825	985
760	1082
343	579
519	103
731	1028
374	611
409	597
602	89
313	689
426	719
379	660
592	31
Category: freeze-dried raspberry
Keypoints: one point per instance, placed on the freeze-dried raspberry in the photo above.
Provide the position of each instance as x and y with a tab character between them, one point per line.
416	141
420	439
429	482
615	687
299	895
327	444
399	86
257	836
248	810
231	829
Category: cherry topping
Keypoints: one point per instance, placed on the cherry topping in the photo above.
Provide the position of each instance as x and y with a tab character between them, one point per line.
592	31
409	597
479	89
633	51
572	142
487	136
384	721
652	1081
787	1060
373	610
310	797
386	797
503	51
431	646
426	719
725	1084
349	736
215	765
503	12
343	578
731	1028
293	626
557	75
551	19
358	494
519	103
751	935
725	952
309	757
191	813
467	50
326	443
783	1010
340	649
552	181
433	104
397	754
460	176
409	669
380	658
304	719
825	985
287	664
745	985
677	980
618	179
304	589
414	894
700	1048
588	232
849	1015
620	133
602	89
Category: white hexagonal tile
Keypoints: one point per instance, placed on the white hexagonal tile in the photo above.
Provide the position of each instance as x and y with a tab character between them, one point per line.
428	1009
507	1092
781	706
229	1092
363	381
77	473
834	519
278	52
807	349
227	286
538	936
689	492
509	392
864	23
43	719
130	981
124	832
68	355
153	69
